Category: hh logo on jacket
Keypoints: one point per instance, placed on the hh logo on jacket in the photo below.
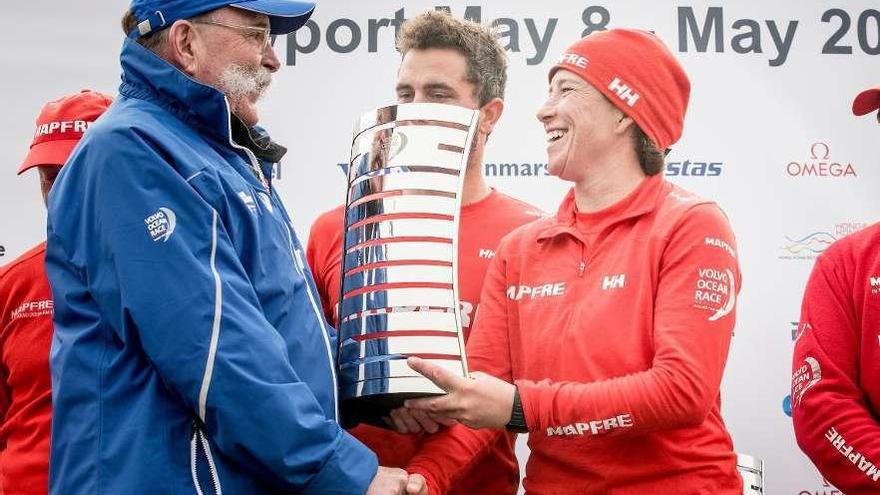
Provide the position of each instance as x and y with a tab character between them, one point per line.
614	281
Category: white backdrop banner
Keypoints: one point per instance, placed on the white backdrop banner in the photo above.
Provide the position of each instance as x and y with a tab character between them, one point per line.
769	135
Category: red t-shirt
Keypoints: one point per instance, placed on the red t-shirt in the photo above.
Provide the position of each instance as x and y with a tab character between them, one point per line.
835	387
615	327
482	225
25	383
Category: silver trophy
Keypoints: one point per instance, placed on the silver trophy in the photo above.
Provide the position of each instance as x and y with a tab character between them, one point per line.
399	294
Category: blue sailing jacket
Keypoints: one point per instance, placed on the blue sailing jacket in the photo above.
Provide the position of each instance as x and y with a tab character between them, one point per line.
190	353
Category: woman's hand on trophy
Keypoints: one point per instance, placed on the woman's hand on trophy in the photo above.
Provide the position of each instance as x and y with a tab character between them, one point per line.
480	401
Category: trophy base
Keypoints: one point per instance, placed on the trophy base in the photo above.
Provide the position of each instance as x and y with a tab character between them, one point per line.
370	409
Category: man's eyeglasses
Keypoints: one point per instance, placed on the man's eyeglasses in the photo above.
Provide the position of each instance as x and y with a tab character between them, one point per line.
261	35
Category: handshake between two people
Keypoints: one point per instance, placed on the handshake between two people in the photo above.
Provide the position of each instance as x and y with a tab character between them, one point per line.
479	401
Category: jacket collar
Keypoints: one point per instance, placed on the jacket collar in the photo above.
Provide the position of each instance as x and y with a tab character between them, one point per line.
644	199
256	140
148	77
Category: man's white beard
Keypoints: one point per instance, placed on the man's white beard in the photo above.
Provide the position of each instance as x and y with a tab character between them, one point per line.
238	82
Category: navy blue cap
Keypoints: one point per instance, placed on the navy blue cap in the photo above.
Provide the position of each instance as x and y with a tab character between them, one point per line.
285	16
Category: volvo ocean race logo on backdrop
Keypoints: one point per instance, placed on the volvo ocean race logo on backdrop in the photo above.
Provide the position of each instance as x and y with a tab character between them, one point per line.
809	245
820	163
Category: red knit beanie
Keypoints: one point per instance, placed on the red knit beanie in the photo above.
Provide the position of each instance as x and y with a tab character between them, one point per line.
640	76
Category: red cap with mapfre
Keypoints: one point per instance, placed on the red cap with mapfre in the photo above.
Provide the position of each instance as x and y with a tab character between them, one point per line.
60	126
638	74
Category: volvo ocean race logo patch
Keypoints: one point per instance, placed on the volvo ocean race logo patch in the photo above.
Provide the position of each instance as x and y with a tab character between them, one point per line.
161	224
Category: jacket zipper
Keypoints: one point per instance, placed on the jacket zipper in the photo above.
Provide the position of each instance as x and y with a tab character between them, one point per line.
199	438
583	264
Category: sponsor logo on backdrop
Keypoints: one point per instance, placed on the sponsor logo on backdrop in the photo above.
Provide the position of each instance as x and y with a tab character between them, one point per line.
515	169
2	251
276	171
806	247
805	378
820	163
798	329
858	460
32	309
786	405
826	489
593	427
161	224
715	291
693	168
810	245
679	168
517	292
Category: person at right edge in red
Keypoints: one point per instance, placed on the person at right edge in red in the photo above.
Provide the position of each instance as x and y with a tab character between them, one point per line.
603	331
835	386
457	62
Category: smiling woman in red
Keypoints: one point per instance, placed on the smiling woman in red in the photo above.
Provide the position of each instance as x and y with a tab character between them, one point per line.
604	330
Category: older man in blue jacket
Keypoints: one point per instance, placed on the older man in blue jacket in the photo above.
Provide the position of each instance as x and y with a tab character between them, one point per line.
190	352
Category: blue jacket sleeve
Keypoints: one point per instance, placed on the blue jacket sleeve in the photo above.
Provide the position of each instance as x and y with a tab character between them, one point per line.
160	264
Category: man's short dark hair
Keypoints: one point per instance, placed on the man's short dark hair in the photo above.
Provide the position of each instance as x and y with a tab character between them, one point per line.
486	59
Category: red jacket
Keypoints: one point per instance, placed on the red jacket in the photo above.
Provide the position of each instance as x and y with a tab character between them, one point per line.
25	384
482	226
615	326
835	387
